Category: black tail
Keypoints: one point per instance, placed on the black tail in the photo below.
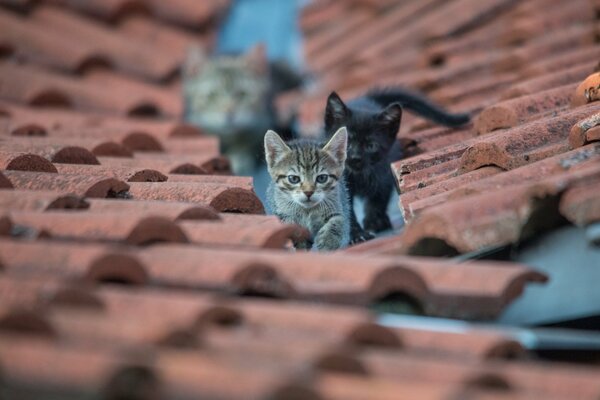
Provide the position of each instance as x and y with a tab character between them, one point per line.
418	103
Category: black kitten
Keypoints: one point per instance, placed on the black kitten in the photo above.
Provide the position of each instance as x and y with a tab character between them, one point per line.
372	122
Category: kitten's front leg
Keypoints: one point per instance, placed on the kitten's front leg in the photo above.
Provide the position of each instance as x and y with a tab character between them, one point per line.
331	236
376	218
357	233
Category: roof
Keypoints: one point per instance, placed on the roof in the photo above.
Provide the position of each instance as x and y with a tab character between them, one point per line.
133	265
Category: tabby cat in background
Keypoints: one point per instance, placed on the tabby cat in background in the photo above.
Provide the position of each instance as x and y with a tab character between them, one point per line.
231	96
307	187
373	121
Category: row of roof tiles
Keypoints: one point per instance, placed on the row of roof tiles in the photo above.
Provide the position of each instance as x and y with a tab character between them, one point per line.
87	192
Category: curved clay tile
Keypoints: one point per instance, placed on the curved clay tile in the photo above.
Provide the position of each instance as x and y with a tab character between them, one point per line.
552	79
245	182
121	173
168	165
21	161
5	183
98	147
125	53
585	131
127	228
171	209
587	91
489	178
40	200
115	267
74	124
188	12
32	85
110	10
245	230
222	197
511	113
5	228
212	163
27	322
33	43
54	152
490	219
581	204
89	186
150	100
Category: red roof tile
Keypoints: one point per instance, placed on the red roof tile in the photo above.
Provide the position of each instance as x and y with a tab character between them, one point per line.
91	186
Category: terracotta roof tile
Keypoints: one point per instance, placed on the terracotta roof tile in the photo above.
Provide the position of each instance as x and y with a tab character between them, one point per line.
123	174
35	44
486	219
588	91
333	278
78	124
40	200
172	163
68	150
21	161
123	52
527	165
220	196
90	186
33	86
510	113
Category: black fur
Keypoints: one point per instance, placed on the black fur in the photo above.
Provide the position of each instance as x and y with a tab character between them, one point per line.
373	121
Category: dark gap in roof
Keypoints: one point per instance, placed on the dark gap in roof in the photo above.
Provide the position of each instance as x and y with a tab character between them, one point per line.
180	339
398	303
130	8
115	280
133	383
93	63
589	323
125	195
435	247
544	217
29	130
144	110
6	50
579	356
489	381
220	316
26	322
51	98
437	60
375	336
68	202
341	363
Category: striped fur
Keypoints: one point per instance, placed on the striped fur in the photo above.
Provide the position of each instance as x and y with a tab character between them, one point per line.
308	188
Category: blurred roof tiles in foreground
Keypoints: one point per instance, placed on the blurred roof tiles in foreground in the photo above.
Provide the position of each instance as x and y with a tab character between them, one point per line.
102	184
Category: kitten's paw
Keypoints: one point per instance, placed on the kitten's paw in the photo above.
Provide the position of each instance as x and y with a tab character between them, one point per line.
327	243
359	236
377	223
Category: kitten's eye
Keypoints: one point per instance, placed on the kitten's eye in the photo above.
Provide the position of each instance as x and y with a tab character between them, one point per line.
371	147
322	178
293	179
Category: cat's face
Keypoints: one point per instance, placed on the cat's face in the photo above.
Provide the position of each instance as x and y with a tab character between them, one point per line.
304	171
226	94
371	135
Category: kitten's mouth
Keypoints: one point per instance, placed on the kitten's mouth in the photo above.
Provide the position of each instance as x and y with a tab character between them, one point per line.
308	203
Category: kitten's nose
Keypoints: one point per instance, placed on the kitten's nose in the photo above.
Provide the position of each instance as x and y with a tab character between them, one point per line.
308	194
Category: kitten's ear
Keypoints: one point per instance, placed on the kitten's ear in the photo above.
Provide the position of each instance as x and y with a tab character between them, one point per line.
275	148
257	60
194	61
391	116
335	112
337	145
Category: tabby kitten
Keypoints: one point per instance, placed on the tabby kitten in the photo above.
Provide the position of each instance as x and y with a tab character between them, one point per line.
373	121
308	188
231	96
